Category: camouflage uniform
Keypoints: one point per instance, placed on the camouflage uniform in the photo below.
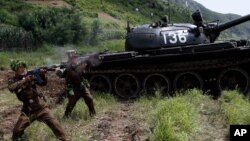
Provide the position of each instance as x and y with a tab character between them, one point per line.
34	107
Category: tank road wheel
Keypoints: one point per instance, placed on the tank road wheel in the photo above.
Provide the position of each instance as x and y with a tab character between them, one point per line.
188	80
127	86
100	83
234	78
154	82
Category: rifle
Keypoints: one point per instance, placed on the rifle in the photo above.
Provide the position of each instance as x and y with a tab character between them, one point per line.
36	73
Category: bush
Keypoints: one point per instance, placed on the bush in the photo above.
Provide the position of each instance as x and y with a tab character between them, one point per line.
54	25
95	32
14	37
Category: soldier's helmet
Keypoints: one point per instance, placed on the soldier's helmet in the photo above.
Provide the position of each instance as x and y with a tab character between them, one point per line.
15	64
71	54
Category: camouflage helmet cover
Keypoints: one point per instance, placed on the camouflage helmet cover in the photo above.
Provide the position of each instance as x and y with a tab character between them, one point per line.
15	64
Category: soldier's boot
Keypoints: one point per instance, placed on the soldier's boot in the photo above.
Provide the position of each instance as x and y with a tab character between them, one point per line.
68	111
22	123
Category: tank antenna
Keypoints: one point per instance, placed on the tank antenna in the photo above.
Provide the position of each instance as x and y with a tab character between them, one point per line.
169	12
128	26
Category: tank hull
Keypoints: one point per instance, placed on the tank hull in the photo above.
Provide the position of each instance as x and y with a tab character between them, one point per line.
215	66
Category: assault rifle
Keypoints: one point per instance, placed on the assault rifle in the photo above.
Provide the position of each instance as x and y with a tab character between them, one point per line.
36	73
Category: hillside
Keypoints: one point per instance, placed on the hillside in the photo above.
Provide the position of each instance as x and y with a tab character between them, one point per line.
28	24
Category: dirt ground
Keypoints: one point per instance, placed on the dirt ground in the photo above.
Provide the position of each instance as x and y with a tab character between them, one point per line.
113	125
118	124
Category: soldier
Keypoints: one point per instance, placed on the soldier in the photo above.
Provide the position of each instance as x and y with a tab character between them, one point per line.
75	81
34	103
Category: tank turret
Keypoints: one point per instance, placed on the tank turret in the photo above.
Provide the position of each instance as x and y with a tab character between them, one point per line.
162	34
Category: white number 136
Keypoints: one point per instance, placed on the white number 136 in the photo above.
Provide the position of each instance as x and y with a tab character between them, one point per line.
174	37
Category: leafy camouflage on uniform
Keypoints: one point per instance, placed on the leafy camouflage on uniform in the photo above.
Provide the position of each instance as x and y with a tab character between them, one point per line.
69	90
85	83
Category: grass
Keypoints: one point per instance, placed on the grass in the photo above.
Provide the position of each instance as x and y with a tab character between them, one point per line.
75	126
177	118
236	107
173	118
49	54
8	98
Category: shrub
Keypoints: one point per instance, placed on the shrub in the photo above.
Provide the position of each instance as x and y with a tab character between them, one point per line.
14	37
95	32
54	25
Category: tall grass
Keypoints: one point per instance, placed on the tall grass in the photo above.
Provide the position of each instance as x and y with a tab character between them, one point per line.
175	118
236	107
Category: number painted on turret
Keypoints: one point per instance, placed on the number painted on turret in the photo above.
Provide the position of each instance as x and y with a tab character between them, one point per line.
174	37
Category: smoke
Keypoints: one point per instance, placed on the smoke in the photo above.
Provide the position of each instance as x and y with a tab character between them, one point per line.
48	61
91	59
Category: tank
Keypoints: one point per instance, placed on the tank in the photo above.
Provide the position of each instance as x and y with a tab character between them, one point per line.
171	57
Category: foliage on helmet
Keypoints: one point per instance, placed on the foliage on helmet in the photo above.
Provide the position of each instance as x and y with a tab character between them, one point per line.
15	64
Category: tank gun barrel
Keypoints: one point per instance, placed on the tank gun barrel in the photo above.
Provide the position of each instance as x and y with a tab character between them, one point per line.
232	23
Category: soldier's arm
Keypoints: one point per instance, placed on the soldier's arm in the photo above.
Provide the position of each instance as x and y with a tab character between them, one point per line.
15	85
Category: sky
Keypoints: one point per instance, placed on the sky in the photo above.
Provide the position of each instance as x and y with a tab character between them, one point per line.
240	7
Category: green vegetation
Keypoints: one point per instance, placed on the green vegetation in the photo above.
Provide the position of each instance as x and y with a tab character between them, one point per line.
8	98
49	54
174	118
27	26
75	125
54	25
237	32
179	118
236	107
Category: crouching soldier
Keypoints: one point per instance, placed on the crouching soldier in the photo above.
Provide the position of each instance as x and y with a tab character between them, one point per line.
34	104
75	81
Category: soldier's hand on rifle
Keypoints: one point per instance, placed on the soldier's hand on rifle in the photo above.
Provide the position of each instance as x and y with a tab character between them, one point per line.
29	78
43	71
